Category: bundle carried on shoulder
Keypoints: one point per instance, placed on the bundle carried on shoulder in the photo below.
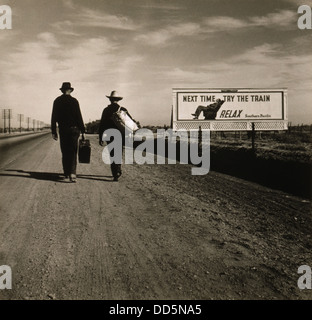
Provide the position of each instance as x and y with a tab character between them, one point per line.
123	121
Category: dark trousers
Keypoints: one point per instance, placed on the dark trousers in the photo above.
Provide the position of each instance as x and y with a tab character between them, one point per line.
199	110
209	113
69	147
115	167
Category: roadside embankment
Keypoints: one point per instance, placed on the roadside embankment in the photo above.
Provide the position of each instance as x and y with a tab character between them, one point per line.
278	167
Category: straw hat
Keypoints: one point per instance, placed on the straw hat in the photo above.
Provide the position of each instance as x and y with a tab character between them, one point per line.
114	96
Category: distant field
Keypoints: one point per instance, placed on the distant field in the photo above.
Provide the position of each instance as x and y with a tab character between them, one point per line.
287	146
281	160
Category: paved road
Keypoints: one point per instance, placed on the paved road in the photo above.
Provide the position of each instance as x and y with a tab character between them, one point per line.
158	233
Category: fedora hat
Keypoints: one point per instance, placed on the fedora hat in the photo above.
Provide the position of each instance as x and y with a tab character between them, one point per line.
66	86
114	95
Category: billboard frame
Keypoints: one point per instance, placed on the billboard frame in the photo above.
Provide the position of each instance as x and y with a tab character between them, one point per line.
230	124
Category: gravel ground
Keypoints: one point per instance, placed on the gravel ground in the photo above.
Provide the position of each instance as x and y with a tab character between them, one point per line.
158	233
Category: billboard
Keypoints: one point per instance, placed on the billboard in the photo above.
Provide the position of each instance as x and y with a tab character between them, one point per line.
230	109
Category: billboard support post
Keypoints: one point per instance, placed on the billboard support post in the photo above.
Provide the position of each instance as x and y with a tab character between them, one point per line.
200	140
253	134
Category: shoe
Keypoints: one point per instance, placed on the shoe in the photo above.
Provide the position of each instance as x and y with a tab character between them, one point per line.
195	116
117	176
73	178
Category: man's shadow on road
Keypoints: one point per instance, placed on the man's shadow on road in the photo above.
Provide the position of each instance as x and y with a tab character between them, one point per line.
52	176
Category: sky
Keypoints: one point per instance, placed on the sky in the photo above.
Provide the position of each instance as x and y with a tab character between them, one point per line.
145	48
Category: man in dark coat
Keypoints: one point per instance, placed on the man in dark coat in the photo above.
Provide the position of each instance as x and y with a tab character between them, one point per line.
210	112
66	112
108	123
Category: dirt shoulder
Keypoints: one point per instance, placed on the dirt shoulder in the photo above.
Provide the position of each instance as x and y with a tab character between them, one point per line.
159	233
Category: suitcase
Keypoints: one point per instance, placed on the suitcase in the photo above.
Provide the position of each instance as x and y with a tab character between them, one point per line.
123	121
84	153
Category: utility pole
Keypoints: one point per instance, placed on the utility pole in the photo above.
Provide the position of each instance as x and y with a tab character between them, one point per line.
28	120
21	118
10	115
4	118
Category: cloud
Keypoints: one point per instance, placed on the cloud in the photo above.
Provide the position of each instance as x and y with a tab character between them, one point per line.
300	2
162	36
165	36
69	4
91	18
281	19
81	16
31	59
46	60
90	49
65	27
48	40
260	66
158	6
32	74
223	23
